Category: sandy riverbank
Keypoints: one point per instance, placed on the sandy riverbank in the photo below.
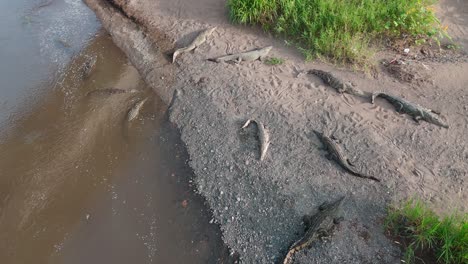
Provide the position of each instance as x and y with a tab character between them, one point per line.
259	205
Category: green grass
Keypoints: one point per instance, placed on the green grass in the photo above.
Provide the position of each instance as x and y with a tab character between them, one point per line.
446	238
274	61
343	31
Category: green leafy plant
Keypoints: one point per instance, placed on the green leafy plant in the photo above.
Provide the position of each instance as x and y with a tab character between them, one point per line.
446	238
274	61
341	30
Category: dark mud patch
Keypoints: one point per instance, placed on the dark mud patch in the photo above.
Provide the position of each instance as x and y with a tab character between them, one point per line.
405	71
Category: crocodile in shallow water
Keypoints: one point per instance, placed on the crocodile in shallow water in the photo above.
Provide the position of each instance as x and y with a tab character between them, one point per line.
319	225
336	153
88	66
416	111
200	39
257	54
135	110
110	91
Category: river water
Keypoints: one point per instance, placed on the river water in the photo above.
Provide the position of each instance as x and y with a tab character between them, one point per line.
79	183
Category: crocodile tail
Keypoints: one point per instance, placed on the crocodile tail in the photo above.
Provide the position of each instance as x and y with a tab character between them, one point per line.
373	178
289	257
318	134
365	176
179	51
361	175
174	55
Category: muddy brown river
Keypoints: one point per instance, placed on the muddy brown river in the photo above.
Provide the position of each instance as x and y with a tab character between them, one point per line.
79	183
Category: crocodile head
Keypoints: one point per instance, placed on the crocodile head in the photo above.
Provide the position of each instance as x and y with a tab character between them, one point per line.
210	30
267	48
431	118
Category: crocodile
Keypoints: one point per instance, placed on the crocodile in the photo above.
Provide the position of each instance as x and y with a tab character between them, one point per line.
336	153
416	111
337	84
109	91
42	5
319	225
257	54
88	66
263	136
135	110
198	41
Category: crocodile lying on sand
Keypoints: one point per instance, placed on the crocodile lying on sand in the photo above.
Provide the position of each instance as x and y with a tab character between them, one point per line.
339	85
135	110
336	153
416	111
263	136
200	39
319	225
257	54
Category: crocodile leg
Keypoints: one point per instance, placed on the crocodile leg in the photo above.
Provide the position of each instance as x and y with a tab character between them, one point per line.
338	220
323	233
342	88
350	163
323	206
306	219
417	118
400	108
323	148
335	139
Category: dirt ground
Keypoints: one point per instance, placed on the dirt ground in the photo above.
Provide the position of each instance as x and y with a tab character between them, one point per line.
259	205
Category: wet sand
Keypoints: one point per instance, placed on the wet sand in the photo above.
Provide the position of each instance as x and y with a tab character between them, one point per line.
81	184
